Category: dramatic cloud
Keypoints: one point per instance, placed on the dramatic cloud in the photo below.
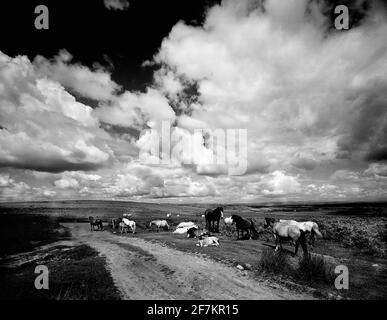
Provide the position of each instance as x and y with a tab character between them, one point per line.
306	95
94	84
116	4
312	99
136	109
42	126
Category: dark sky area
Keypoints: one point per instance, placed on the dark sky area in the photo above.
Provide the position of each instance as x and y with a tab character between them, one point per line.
90	32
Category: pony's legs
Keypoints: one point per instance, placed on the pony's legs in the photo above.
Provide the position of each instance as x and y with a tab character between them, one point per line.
296	246
276	242
304	246
312	238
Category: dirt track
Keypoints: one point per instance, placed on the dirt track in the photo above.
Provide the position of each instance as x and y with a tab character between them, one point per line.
148	270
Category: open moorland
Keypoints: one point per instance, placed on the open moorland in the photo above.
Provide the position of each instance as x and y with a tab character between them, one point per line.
162	265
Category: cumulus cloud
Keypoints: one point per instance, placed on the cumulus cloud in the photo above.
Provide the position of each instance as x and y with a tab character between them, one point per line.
42	126
278	183
116	4
132	109
311	98
378	169
278	71
94	84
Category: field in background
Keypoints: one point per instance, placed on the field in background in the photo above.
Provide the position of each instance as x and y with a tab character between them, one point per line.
354	235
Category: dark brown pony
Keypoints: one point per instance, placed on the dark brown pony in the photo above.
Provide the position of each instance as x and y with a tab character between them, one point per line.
115	223
212	219
245	226
97	222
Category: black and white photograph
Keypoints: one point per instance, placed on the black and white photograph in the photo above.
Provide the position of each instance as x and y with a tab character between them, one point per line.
206	151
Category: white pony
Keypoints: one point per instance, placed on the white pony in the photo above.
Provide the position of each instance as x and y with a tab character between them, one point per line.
228	221
183	230
306	226
208	241
185	224
130	224
159	224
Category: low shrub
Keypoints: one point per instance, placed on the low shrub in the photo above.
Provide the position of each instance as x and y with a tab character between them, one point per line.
314	268
274	262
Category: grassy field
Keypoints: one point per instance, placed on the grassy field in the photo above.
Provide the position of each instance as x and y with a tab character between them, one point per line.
354	235
75	272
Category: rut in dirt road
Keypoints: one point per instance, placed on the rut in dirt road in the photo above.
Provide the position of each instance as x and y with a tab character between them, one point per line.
148	270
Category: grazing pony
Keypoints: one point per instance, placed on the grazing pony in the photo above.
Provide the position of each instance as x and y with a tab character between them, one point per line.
212	218
159	224
308	227
244	225
115	223
228	221
97	222
130	224
284	231
123	227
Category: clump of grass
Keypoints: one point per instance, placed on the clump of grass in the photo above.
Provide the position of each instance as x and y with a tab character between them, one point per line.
314	268
274	262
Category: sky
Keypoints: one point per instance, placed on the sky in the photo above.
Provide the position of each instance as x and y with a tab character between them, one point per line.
80	103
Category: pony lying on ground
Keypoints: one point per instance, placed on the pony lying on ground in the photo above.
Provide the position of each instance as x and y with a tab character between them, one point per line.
308	227
159	224
130	224
245	226
287	232
97	222
185	224
212	218
195	233
208	241
184	230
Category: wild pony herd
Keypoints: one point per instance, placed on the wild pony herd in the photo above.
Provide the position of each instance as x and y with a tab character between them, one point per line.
282	230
